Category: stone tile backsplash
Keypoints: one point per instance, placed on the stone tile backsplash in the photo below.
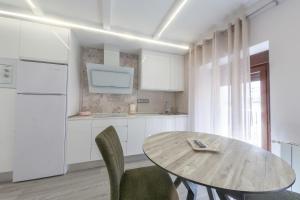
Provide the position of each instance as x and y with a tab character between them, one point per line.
110	103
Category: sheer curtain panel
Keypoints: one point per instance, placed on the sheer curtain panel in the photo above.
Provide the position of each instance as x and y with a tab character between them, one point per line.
219	84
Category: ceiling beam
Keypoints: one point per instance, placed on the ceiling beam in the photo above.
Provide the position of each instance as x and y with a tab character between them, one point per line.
169	17
106	14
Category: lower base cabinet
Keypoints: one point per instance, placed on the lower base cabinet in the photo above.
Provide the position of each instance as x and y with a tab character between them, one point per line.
136	129
158	125
79	141
132	131
181	123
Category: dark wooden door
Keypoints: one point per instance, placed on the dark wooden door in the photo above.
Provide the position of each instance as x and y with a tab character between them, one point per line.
261	95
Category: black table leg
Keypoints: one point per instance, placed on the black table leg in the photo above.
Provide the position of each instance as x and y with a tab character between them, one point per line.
192	190
210	193
222	195
177	182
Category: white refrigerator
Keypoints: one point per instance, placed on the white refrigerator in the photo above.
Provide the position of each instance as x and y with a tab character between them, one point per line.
40	121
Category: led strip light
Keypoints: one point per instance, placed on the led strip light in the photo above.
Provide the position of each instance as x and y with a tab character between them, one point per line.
56	22
171	18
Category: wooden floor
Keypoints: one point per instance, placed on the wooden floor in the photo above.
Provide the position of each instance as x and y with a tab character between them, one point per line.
91	184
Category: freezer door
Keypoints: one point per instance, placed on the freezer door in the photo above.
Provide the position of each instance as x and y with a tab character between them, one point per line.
41	78
40	136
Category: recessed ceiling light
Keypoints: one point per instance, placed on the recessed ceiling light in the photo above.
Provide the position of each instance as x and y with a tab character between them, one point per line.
62	23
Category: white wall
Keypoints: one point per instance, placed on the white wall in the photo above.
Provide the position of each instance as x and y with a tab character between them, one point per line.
7	128
280	25
74	76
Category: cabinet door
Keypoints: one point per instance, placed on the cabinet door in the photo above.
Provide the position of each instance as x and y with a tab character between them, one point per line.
181	123
7	128
79	141
44	43
160	124
155	71
177	73
153	126
9	38
136	136
122	133
168	124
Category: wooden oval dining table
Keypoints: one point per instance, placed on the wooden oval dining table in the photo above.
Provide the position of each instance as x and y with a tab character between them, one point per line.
237	167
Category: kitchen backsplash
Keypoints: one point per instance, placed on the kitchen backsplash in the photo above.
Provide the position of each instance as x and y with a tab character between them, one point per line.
109	103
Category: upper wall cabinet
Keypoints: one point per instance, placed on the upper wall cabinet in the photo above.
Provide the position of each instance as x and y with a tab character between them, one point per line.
177	73
155	71
44	43
161	71
9	38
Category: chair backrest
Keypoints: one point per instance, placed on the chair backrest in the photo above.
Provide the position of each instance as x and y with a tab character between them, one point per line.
110	147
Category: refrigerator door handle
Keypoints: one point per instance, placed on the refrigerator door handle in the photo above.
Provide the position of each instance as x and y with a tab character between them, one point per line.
38	94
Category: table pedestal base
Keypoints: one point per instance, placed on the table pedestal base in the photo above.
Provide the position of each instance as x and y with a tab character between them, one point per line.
192	189
224	195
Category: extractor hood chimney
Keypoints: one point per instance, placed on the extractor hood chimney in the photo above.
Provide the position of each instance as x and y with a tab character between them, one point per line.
111	56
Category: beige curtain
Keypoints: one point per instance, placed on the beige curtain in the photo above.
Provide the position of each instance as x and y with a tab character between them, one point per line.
219	87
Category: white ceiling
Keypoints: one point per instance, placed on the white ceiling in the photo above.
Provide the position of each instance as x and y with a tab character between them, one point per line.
137	16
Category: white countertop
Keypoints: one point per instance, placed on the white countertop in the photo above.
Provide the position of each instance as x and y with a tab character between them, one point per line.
122	115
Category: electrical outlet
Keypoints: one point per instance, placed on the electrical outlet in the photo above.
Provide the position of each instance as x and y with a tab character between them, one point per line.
143	101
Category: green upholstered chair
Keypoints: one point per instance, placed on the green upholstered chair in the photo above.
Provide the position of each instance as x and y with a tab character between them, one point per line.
147	183
286	195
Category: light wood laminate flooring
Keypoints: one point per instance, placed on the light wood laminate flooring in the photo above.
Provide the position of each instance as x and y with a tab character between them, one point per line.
91	184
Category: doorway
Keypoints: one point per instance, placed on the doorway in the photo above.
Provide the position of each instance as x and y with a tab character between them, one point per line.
260	94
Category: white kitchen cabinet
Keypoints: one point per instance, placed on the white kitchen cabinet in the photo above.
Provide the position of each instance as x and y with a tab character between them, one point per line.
168	124
7	128
79	141
9	38
136	136
161	71
40	42
155	125
155	71
132	131
176	73
181	123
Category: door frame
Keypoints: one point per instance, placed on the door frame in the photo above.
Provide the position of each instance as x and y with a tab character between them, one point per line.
260	63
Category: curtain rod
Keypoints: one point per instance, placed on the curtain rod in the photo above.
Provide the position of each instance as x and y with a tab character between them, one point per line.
276	2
